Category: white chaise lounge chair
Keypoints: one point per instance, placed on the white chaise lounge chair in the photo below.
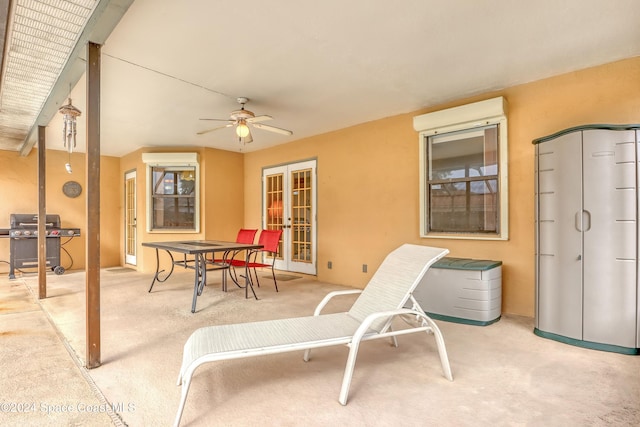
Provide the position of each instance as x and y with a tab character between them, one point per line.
369	318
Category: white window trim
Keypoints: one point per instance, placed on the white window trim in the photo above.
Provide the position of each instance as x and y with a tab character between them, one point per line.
172	160
483	113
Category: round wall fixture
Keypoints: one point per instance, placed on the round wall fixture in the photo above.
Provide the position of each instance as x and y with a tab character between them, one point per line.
72	189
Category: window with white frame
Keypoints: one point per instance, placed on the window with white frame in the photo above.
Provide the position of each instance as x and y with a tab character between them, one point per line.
463	171
172	192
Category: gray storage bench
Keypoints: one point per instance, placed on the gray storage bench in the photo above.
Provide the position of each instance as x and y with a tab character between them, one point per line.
462	290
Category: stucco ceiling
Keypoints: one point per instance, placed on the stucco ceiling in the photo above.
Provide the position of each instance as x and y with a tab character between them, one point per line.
319	66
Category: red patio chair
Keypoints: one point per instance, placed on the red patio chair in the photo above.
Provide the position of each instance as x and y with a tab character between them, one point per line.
270	241
245	235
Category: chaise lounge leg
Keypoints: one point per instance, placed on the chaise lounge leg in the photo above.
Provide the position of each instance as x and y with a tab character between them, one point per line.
442	349
348	371
394	339
183	399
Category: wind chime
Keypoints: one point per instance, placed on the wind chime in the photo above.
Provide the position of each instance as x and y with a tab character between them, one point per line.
69	114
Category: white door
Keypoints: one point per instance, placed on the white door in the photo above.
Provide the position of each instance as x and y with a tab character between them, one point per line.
130	218
289	204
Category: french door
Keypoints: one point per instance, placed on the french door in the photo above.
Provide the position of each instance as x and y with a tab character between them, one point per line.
289	204
130	218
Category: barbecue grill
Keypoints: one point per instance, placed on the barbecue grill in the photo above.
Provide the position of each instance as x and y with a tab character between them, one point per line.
24	242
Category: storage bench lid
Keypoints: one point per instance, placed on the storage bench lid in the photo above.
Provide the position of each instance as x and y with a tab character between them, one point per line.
466	264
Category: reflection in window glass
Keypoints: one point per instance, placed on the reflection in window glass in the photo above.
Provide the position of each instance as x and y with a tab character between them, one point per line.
462	182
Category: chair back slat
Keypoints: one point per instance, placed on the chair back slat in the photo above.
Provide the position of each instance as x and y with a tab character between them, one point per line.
394	281
270	240
246	235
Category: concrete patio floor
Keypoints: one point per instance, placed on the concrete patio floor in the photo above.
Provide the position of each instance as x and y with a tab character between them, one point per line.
504	375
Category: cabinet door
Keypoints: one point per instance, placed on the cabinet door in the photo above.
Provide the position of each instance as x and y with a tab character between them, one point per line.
610	237
559	287
638	243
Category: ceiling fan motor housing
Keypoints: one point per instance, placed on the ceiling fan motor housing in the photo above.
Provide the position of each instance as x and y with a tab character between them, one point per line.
242	115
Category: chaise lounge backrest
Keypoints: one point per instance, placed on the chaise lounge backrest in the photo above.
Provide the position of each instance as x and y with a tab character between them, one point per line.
394	281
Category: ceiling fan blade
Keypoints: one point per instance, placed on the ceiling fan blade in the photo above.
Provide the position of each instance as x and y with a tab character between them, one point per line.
272	129
216	128
256	119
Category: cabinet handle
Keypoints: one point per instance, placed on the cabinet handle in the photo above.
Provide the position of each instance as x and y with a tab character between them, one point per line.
578	219
587	215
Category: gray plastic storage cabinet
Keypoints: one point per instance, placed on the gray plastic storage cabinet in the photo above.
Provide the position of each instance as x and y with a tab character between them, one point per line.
462	290
586	218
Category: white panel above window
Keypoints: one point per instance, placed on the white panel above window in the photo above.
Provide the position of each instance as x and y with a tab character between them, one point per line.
467	116
170	158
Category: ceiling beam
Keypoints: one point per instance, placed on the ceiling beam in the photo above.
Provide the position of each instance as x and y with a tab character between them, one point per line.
4	21
104	19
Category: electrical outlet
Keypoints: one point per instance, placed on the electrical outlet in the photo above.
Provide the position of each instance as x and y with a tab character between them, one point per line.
329	265
364	268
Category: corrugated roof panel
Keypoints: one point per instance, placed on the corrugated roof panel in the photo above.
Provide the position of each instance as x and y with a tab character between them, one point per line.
40	39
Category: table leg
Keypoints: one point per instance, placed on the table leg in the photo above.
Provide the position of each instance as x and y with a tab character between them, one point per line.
200	278
156	276
224	273
224	278
247	279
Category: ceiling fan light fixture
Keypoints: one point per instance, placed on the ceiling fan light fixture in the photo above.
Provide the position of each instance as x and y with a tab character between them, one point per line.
242	130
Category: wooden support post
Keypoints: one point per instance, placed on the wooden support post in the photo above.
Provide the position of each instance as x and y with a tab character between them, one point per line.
93	206
42	214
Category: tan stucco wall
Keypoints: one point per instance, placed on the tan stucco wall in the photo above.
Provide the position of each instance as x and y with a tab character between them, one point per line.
223	194
367	183
368	177
19	183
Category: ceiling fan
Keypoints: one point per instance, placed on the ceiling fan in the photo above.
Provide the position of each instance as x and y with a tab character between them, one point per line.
241	119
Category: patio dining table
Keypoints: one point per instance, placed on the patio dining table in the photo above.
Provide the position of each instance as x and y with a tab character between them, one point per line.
199	263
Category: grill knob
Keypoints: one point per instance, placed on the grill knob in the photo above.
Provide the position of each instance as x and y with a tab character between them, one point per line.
17	233
70	232
27	233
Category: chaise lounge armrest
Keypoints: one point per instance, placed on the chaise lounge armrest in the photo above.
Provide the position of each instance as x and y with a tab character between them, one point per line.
331	295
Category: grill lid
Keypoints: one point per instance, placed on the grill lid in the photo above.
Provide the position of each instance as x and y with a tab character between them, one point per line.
21	221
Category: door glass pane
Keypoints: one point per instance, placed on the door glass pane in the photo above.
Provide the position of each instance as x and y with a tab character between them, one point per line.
301	208
131	217
275	204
